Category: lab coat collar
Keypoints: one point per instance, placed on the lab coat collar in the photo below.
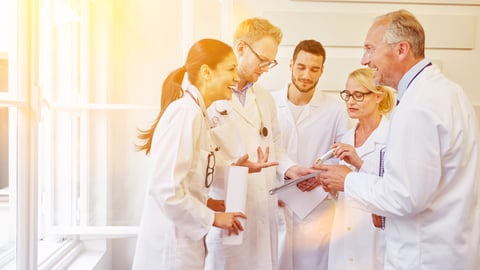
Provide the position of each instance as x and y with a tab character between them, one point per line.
249	108
378	136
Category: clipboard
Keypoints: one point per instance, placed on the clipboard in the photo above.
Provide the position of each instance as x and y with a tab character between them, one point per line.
293	182
328	155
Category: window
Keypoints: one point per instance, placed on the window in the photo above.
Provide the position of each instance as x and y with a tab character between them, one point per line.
66	138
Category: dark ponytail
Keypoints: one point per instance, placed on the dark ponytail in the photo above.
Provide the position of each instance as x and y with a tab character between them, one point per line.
208	52
171	91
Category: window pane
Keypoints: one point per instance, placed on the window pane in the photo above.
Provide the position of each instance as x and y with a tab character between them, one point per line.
3	73
89	163
3	148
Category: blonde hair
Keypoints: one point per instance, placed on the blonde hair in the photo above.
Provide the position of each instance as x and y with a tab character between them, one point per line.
254	29
364	76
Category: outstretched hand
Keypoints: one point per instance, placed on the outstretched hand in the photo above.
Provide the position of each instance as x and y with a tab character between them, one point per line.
262	161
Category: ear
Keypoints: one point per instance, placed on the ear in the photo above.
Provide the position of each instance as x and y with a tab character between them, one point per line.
291	64
239	48
403	49
205	72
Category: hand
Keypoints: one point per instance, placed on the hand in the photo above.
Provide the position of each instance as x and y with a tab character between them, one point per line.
309	185
216	205
347	153
297	171
332	177
229	221
262	161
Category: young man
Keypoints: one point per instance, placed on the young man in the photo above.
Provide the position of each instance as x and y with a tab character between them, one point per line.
312	122
429	190
249	123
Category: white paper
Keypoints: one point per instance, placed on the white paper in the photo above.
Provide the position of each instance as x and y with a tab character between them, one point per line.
235	200
302	203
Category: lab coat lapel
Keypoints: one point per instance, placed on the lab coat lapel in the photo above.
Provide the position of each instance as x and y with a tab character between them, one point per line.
378	136
290	127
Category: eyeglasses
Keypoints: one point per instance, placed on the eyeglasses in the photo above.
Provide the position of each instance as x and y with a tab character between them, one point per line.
356	95
210	169
263	63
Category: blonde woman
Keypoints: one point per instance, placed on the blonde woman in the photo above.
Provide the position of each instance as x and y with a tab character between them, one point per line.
355	242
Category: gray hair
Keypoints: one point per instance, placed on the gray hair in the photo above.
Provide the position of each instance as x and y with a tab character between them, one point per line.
404	26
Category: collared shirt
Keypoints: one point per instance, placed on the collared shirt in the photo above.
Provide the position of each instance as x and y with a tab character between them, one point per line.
409	76
242	94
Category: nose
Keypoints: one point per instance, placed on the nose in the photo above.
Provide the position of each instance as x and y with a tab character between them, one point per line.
236	77
365	59
350	100
304	74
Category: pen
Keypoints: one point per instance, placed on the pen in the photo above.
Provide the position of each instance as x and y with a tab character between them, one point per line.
328	155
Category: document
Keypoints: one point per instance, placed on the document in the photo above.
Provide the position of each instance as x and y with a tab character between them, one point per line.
302	203
235	200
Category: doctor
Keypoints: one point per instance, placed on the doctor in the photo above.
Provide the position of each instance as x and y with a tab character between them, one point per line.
429	191
250	120
176	218
311	122
356	243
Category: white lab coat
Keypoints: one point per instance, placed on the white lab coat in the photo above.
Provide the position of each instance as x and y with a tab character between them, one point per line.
430	187
238	133
303	243
175	218
356	244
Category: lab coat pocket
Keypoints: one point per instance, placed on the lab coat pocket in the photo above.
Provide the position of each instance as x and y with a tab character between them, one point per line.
224	136
189	254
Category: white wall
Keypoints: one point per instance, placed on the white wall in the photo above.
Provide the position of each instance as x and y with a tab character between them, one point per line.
147	44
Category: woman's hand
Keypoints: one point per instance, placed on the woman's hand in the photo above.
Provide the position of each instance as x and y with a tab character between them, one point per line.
216	205
347	153
229	221
262	161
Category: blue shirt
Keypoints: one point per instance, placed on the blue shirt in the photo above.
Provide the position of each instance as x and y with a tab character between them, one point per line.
410	76
242	94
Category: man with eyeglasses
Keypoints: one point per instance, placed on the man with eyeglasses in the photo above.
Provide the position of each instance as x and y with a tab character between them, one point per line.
251	122
429	189
311	122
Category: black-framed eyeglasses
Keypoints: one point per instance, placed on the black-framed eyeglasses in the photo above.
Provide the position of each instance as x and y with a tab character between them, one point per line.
263	63
210	169
356	95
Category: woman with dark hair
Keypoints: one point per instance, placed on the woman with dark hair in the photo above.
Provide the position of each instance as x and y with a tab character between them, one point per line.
176	218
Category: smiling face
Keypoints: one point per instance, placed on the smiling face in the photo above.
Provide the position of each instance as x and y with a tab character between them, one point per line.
223	79
381	57
306	71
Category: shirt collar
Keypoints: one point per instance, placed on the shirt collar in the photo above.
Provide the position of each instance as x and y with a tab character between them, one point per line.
409	76
241	94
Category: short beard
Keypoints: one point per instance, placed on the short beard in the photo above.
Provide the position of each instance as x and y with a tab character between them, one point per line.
300	89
